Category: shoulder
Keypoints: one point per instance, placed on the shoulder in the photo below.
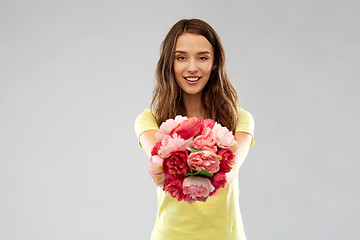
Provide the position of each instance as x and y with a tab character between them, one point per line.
245	115
145	114
145	121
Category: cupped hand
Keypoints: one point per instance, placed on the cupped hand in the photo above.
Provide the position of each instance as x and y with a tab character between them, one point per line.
200	199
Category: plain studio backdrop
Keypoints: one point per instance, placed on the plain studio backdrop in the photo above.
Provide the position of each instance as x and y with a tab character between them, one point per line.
75	74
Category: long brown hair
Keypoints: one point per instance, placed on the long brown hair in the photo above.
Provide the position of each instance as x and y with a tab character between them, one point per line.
219	97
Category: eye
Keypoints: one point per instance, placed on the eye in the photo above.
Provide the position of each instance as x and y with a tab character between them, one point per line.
180	58
203	58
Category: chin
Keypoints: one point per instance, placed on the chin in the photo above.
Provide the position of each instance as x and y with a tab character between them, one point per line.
192	92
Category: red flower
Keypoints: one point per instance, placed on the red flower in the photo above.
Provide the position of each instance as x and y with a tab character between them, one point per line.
189	128
155	149
218	181
174	188
175	164
227	161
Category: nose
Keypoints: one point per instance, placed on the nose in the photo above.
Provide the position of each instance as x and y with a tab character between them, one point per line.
192	67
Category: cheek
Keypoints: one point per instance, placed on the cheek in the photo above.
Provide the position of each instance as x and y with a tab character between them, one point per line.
177	72
177	68
208	67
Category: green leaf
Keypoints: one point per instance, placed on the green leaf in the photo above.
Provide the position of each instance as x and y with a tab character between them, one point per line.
195	150
203	173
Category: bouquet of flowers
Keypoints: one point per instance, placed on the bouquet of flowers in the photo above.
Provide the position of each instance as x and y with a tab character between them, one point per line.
191	158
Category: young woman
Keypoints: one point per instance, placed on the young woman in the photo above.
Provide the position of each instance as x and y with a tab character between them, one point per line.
192	81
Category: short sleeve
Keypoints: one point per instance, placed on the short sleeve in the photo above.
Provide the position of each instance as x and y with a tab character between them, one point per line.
144	122
246	124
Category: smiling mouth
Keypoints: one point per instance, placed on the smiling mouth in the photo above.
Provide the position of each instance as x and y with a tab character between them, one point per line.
192	79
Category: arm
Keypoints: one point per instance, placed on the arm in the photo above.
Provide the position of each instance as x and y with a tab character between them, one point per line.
243	141
148	140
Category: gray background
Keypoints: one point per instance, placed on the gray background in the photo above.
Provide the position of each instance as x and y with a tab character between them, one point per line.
75	74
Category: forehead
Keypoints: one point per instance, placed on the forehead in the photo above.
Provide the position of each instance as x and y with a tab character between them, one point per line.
193	43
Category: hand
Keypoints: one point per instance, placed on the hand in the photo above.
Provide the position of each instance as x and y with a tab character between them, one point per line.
192	200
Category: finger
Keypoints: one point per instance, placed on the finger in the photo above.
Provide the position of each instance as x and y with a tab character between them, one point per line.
201	199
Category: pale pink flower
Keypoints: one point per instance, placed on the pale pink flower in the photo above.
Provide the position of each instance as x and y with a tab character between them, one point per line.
205	141
224	137
156	171
204	160
175	143
167	126
195	186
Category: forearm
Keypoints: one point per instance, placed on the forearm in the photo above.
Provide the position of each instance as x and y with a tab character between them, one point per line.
148	140
243	144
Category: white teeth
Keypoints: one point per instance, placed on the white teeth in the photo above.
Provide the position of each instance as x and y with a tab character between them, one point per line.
192	79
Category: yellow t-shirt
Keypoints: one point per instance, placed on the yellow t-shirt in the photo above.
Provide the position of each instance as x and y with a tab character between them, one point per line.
218	218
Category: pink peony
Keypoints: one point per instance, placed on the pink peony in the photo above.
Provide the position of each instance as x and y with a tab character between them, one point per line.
170	144
209	123
227	159
205	141
224	137
167	126
155	168
204	160
174	188
175	164
197	187
189	128
218	181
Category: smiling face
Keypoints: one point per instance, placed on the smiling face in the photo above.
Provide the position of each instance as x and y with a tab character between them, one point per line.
193	63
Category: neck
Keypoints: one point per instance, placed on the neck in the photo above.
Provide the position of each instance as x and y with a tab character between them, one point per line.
193	105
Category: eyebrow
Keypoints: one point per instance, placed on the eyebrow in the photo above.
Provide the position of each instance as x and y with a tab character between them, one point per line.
204	52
